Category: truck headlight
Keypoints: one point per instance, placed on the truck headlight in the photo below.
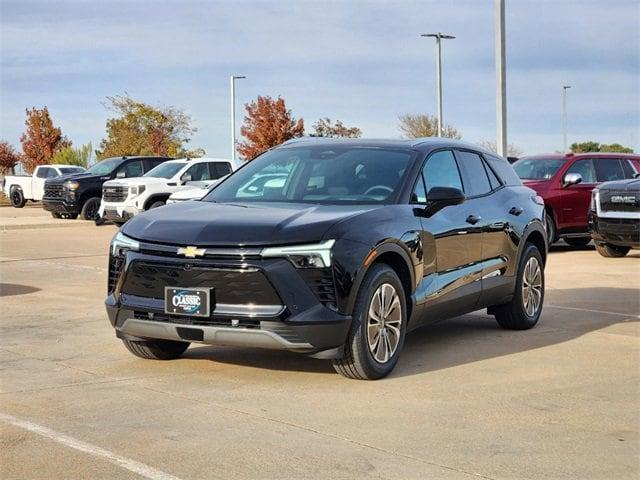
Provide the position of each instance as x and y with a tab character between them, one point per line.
594	199
71	185
316	255
137	190
121	244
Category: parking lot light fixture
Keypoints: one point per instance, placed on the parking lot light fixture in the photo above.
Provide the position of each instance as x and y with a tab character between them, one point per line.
564	117
233	79
439	36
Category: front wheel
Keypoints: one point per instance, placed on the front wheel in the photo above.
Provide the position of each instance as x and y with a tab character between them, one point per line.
523	311
378	327
157	204
156	349
609	250
56	215
90	209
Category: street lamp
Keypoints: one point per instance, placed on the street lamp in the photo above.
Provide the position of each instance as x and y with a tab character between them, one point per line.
501	79
564	117
233	79
439	36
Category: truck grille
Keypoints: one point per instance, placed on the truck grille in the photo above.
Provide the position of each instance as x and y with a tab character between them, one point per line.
115	268
320	281
607	205
53	191
114	194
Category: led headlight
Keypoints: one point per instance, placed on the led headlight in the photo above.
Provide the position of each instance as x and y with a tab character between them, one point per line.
594	199
316	255
71	185
137	190
121	244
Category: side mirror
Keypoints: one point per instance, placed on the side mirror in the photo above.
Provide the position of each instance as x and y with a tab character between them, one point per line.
121	174
441	197
185	178
571	179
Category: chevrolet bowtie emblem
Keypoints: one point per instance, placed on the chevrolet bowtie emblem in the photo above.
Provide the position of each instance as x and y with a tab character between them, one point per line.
191	252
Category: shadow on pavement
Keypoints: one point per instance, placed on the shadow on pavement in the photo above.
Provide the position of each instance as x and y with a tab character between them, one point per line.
10	289
465	339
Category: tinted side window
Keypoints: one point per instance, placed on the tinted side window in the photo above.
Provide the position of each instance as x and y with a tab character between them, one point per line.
219	169
419	192
475	176
608	169
52	173
133	169
441	170
199	172
629	171
42	172
493	179
504	170
585	169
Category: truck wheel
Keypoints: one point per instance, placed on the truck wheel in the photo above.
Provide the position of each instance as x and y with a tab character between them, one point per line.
578	241
90	209
608	250
56	215
17	198
523	311
157	204
156	349
378	327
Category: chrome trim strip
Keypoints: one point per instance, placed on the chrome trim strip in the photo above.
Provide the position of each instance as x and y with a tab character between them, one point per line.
611	213
248	310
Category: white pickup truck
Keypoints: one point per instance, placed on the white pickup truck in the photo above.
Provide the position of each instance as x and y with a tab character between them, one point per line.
124	198
20	188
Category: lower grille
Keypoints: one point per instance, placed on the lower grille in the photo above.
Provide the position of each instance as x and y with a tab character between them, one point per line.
114	194
623	229
53	191
320	281
115	267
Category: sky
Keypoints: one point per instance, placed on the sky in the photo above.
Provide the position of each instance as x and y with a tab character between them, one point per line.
362	62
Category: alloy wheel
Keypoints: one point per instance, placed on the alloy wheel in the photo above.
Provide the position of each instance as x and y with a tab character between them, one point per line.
384	323
532	287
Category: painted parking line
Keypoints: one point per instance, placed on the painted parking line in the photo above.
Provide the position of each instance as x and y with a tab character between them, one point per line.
605	312
131	465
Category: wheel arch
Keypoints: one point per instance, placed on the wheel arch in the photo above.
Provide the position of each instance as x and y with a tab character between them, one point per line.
536	235
156	197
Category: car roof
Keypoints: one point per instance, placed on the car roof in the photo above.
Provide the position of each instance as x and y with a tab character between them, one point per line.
59	165
422	144
569	156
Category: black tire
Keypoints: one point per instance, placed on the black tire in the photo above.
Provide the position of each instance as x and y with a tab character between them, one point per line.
17	198
608	250
550	226
70	216
156	204
56	215
512	315
358	362
90	209
578	241
156	349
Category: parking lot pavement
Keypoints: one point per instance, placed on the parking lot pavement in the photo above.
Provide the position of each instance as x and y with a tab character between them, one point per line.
33	216
467	400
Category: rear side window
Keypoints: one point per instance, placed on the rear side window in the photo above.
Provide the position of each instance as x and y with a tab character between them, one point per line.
585	169
441	170
493	179
476	180
503	170
219	169
608	169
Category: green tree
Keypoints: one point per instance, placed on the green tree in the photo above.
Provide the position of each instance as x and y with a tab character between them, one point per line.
416	126
74	156
591	146
142	129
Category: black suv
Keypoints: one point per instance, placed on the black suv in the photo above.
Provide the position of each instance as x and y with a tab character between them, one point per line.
79	193
614	217
347	246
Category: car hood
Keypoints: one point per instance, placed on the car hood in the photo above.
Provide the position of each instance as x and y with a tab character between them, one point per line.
136	181
238	224
80	177
631	185
190	193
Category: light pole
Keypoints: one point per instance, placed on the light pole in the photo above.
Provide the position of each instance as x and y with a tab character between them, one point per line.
501	80
439	36
564	117
233	79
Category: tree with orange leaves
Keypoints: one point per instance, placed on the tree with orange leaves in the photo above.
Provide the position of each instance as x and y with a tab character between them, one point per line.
9	158
267	123
42	140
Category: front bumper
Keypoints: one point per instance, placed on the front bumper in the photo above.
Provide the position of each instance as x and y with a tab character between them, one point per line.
259	303
616	231
117	211
60	205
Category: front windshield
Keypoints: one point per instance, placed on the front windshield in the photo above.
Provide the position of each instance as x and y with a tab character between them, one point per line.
318	174
105	167
65	170
165	170
537	168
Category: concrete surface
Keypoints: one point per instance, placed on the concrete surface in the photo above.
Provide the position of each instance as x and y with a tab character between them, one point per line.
33	216
467	400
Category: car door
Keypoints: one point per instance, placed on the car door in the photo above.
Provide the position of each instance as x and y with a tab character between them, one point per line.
198	172
452	244
576	198
37	184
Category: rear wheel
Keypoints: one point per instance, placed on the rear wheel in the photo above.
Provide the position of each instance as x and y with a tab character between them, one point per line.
550	225
608	250
17	198
523	311
156	349
90	209
578	241
378	327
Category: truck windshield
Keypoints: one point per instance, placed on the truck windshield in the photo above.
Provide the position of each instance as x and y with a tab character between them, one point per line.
165	170
318	174
537	168
105	167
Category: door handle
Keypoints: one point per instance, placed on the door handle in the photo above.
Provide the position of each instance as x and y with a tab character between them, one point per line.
516	211
473	219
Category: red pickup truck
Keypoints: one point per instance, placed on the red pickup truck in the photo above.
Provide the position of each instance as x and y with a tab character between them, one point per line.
565	183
